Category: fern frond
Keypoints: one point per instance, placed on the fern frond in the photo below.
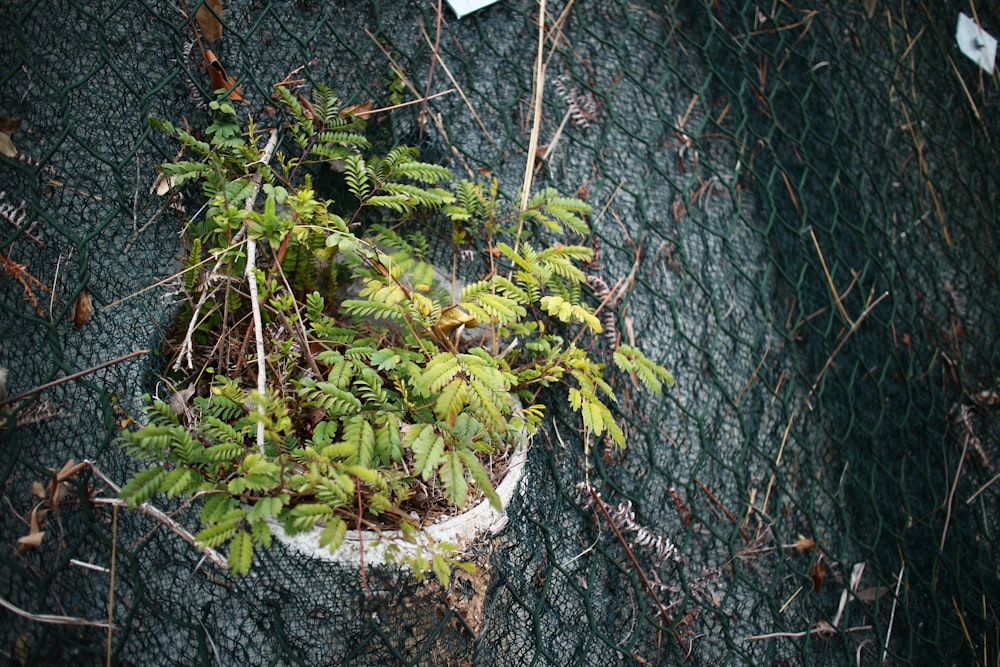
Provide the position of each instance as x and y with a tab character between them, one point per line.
143	486
438	372
240	553
356	174
451	401
570	312
481	477
427	446
652	375
452	476
423	172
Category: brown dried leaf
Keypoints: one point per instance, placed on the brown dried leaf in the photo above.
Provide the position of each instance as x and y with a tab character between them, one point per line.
824	629
686	515
804	544
33	539
871	594
362	110
30	541
679	209
7	146
69	470
219	79
818	575
83	309
22	649
9	125
38	490
162	184
211	29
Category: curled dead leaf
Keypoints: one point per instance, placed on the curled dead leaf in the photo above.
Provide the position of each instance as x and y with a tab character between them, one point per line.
871	594
219	79
679	209
804	544
454	317
208	16
362	110
83	309
9	125
35	535
38	490
818	575
824	629
7	146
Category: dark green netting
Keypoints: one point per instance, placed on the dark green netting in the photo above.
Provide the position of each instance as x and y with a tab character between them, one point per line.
769	170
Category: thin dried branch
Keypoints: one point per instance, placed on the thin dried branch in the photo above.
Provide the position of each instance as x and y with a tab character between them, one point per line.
251	275
51	619
158	514
72	376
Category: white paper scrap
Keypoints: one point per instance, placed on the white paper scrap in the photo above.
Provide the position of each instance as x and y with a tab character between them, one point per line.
976	43
463	7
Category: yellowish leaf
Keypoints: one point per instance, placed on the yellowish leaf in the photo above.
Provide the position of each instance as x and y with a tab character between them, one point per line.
454	317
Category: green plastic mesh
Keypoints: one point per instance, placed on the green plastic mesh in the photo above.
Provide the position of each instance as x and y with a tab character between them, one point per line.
805	200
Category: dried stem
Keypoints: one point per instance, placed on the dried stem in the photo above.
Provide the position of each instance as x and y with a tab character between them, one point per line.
71	377
50	618
650	589
536	123
251	275
159	515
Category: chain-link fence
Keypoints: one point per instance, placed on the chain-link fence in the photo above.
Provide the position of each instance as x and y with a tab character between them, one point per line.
806	201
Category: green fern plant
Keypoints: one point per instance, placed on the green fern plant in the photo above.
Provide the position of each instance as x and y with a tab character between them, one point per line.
380	379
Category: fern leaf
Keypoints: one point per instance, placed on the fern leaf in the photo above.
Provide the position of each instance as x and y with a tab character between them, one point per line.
481	477
356	174
240	553
261	532
306	516
452	476
216	506
451	401
315	305
441	570
427	447
179	481
423	172
488	402
438	372
570	312
652	375
360	436
218	533
193	268
265	508
143	486
333	534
